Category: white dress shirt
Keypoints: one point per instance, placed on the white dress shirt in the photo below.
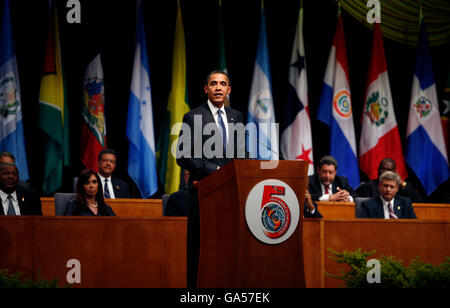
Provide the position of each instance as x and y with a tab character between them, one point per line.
385	207
110	186
326	197
5	202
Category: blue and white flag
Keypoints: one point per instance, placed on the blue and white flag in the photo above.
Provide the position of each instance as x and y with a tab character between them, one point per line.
140	131
296	140
425	151
262	140
11	122
335	109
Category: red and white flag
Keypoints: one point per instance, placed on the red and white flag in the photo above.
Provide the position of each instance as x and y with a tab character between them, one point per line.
380	137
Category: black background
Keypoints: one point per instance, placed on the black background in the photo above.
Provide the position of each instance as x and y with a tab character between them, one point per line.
109	27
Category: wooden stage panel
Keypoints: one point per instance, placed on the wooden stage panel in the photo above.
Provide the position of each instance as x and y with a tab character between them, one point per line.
346	210
113	252
404	239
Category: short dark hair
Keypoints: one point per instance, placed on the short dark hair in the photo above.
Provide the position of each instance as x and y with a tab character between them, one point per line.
107	151
328	160
7	154
217	72
387	160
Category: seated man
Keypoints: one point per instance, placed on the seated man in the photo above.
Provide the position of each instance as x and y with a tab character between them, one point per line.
112	187
388	205
370	189
7	157
180	201
16	200
325	185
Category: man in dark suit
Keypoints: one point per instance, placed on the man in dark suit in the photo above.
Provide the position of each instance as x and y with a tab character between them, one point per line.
113	187
326	185
203	152
370	189
16	200
179	202
388	205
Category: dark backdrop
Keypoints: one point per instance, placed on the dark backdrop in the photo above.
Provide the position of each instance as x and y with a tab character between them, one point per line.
109	27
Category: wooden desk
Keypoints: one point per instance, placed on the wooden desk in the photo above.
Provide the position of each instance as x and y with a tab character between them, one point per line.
346	210
113	251
151	252
405	239
122	207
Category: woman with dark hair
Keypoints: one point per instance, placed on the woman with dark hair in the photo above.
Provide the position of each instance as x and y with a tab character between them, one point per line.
89	199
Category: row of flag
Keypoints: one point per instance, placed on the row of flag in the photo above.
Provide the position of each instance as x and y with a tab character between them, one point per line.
426	151
425	154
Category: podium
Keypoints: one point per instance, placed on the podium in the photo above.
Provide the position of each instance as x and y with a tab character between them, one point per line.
231	256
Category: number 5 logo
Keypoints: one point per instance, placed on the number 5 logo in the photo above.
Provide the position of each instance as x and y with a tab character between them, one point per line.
272	211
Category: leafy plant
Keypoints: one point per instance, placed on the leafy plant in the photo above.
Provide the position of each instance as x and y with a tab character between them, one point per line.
393	273
8	280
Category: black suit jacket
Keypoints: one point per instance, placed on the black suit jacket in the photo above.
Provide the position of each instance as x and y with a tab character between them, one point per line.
29	202
370	189
121	189
339	181
179	203
373	208
203	166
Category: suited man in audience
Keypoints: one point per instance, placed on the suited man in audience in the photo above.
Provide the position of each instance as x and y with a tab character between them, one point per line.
16	200
179	202
326	185
370	189
388	204
7	157
113	188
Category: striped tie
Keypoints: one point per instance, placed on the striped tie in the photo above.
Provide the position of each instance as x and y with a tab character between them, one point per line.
391	211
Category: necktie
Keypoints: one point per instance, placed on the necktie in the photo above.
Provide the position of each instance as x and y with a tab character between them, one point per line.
11	211
391	212
222	129
107	195
327	190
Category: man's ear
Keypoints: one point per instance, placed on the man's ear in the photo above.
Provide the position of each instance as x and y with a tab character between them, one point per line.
206	89
229	90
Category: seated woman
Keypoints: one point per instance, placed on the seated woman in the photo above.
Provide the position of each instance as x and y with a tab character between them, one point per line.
89	199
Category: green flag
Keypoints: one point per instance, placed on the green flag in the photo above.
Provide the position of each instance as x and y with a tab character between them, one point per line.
53	112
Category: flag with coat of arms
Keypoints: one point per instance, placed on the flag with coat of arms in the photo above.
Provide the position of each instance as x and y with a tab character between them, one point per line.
426	153
335	109
11	124
380	137
93	134
262	138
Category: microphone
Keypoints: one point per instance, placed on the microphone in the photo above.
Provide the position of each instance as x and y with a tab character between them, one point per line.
280	157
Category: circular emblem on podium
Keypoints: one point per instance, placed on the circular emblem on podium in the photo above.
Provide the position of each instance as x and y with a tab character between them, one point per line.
272	211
